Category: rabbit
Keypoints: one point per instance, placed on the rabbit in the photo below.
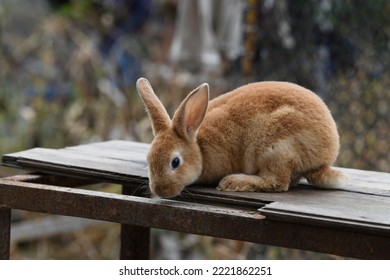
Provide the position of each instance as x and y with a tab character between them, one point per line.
260	137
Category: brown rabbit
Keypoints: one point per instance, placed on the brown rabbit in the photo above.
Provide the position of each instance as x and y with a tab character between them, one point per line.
261	137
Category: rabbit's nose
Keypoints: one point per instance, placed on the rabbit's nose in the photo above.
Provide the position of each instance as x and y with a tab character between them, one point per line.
164	191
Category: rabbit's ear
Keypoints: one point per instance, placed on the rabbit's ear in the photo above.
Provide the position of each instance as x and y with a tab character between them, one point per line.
191	113
158	115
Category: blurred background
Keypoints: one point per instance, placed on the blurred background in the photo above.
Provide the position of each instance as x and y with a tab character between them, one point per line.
68	72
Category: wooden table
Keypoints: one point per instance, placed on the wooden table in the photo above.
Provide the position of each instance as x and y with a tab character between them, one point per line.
352	221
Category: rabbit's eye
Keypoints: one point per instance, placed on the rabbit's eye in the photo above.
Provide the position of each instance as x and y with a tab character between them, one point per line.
175	163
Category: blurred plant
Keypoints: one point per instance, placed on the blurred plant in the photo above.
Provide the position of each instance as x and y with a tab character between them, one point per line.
68	85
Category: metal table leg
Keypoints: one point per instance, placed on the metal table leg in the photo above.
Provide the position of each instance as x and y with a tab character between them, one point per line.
135	240
5	233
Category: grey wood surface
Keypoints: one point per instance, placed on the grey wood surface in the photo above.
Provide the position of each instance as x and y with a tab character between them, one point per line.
362	204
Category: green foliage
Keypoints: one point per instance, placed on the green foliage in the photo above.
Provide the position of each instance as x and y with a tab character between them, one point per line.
77	9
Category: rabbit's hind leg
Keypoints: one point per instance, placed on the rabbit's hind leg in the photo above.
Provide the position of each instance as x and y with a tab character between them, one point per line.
254	183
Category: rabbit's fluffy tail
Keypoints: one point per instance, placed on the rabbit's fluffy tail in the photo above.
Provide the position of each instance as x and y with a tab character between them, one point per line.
326	177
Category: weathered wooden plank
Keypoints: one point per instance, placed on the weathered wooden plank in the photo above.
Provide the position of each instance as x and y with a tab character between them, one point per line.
120	145
366	175
362	181
120	161
296	195
12	159
370	213
323	221
70	163
126	153
312	206
366	180
369	179
355	184
123	155
95	160
101	149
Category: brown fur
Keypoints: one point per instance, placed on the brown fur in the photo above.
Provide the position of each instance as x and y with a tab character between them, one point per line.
260	137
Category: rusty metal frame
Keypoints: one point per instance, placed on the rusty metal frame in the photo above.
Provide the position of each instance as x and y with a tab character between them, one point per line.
5	232
138	214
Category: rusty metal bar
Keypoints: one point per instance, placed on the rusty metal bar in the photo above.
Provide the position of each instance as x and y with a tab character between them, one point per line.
5	233
193	218
135	240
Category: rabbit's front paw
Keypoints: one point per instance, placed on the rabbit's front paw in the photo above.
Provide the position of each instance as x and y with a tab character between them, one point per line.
236	183
252	183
